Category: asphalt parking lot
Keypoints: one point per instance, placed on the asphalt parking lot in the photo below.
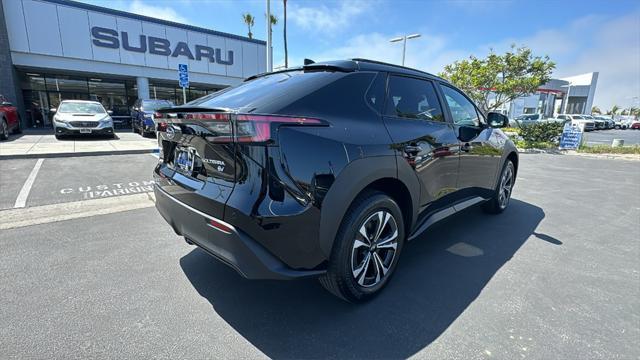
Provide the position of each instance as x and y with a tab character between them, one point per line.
76	178
556	276
605	137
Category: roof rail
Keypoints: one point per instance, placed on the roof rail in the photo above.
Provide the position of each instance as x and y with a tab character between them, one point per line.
389	64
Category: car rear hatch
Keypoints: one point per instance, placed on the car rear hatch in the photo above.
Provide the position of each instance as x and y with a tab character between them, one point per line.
214	144
203	152
197	157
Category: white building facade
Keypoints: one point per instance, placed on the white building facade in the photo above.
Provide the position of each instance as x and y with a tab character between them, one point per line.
59	49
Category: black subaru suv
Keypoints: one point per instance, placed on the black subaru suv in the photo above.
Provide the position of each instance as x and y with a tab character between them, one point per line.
326	170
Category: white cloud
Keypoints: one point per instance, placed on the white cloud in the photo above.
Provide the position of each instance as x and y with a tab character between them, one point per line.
325	19
159	12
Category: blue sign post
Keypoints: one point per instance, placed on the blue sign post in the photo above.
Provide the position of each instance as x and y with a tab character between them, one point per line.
183	79
571	137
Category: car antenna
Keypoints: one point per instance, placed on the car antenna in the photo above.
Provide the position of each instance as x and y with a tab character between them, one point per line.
308	62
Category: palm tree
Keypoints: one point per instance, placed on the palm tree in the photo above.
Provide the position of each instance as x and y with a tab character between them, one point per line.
614	110
595	110
249	20
286	51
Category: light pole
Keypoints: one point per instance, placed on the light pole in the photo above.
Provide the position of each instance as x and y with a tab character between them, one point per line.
269	48
404	43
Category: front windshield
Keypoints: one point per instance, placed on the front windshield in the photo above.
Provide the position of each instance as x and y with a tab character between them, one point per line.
579	117
81	108
155	105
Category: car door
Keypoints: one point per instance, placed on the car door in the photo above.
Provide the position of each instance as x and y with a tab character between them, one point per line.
413	115
480	145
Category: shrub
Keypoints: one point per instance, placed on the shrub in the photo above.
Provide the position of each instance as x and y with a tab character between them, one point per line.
541	132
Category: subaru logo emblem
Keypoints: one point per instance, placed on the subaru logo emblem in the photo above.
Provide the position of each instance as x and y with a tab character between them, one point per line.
171	132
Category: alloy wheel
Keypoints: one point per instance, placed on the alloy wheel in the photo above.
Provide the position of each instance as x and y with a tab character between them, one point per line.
374	248
506	184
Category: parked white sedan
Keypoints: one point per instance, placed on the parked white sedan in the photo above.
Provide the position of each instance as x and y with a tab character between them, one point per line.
81	117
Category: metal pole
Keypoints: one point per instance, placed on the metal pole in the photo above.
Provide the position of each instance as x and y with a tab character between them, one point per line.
269	59
404	48
184	96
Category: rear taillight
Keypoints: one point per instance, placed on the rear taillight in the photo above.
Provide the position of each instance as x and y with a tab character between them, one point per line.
257	128
249	128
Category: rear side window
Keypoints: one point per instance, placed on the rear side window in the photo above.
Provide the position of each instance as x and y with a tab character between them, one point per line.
413	98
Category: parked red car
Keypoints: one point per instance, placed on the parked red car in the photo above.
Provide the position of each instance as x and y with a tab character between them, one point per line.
635	125
9	119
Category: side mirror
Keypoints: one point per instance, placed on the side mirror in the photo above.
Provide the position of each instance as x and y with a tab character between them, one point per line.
53	110
497	120
110	112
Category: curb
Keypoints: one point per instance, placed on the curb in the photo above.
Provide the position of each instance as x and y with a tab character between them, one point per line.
78	154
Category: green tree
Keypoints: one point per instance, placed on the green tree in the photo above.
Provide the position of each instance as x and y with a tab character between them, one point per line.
249	20
498	79
595	110
286	51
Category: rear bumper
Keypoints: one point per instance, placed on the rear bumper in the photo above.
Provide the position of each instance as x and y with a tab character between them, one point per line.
234	248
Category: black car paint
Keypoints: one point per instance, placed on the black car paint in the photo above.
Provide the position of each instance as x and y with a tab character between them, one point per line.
289	197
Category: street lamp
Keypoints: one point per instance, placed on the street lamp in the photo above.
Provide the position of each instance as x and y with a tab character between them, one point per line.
404	43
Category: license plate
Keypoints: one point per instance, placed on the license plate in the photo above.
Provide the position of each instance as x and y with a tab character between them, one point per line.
85	131
185	159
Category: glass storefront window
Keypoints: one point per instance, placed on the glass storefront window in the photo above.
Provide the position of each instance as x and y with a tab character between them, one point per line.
111	94
66	83
195	93
42	92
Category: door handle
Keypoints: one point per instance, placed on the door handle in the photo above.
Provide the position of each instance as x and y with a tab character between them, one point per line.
466	147
412	149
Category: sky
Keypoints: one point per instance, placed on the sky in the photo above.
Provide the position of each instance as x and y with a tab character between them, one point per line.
579	36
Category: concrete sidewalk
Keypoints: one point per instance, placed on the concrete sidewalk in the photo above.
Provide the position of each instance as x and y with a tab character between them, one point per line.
32	144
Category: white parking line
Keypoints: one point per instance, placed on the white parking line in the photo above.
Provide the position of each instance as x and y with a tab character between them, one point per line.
21	201
155	155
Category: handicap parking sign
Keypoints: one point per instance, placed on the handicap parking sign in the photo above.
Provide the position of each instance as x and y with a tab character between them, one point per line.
183	75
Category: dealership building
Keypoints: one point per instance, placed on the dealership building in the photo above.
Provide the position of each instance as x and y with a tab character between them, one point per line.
54	50
571	95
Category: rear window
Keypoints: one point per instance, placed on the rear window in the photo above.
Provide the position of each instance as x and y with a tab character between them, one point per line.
272	92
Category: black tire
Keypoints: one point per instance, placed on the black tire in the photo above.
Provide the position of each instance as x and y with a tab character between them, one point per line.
496	204
340	278
4	130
